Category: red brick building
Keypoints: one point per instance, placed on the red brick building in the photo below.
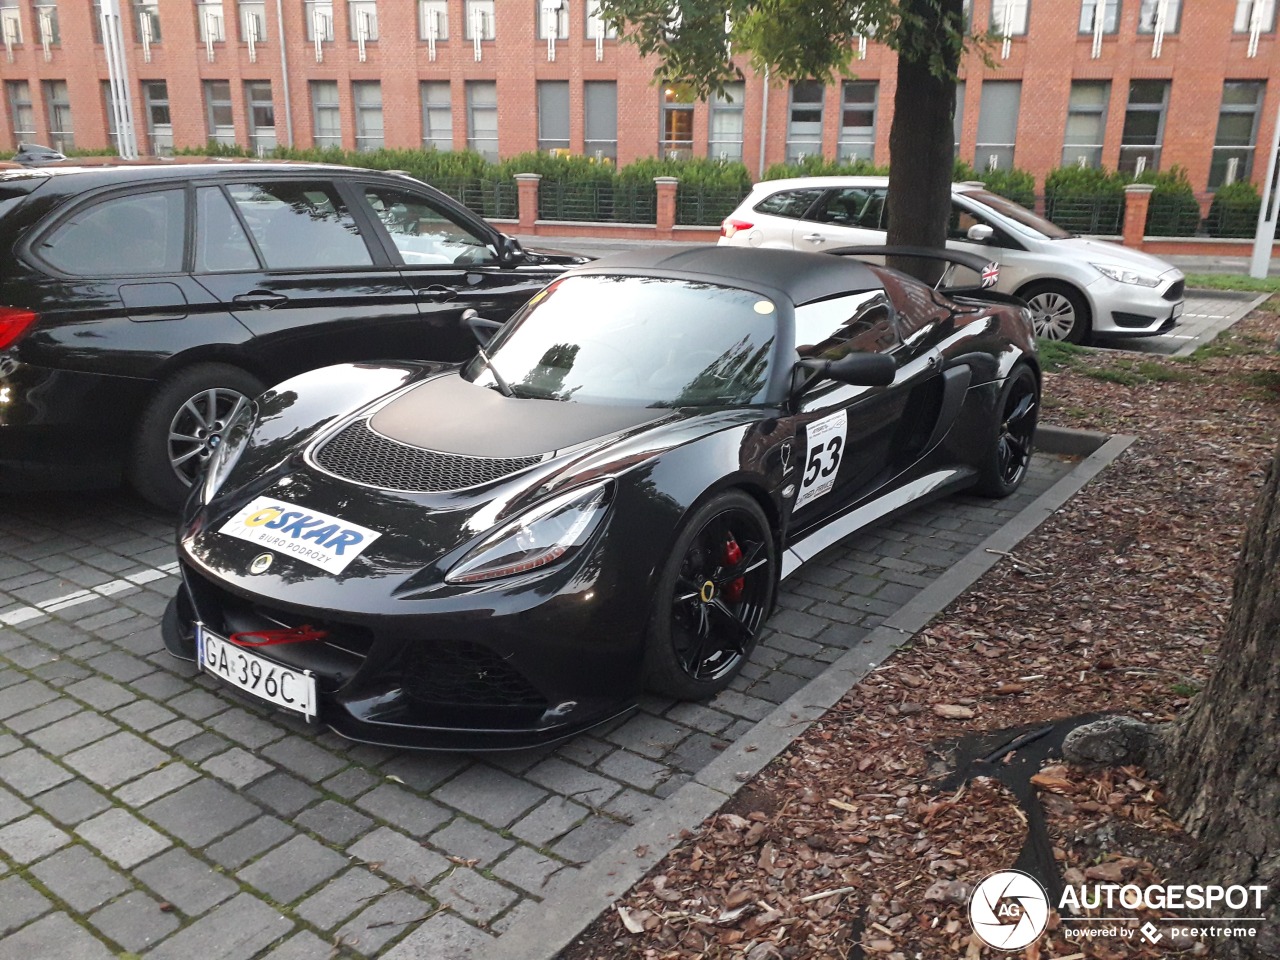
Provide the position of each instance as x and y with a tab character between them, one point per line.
1110	82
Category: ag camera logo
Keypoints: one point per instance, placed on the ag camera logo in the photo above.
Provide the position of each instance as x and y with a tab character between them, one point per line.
1009	910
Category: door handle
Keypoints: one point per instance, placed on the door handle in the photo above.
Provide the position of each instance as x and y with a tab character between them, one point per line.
260	299
436	293
814	238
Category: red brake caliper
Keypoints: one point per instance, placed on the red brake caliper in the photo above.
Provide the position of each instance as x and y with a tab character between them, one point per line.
732	557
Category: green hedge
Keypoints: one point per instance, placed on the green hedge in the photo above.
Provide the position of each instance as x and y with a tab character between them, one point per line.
1234	211
1174	210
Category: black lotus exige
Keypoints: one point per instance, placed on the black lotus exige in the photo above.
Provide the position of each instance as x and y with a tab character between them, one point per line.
606	497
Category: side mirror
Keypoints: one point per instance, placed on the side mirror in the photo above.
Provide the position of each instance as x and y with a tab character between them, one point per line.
509	249
980	233
855	369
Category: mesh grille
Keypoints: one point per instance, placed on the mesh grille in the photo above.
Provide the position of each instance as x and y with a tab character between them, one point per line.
358	453
462	673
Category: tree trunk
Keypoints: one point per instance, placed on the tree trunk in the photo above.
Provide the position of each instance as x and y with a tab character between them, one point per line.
921	141
1223	757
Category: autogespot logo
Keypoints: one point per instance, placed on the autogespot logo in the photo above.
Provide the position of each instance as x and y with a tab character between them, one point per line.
1009	910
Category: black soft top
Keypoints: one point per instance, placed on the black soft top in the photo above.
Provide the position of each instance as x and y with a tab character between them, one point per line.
799	277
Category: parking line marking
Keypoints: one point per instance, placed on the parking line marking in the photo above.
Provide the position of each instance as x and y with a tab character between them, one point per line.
146	575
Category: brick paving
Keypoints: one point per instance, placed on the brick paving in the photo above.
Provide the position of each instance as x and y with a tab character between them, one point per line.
146	809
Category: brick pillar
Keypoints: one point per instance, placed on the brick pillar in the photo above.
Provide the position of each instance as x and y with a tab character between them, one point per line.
666	206
1137	201
527	187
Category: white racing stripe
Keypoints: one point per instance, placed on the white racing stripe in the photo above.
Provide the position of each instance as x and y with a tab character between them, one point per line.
146	575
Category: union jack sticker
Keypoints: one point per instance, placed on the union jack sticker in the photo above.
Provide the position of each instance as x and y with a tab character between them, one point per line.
990	274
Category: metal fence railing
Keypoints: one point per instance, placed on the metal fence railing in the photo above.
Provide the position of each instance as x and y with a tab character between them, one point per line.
1102	215
495	199
706	206
598	202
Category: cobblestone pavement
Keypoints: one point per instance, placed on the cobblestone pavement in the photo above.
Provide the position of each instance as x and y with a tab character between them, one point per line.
145	809
1203	315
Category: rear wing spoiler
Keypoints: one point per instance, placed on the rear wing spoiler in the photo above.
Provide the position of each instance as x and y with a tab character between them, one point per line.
988	271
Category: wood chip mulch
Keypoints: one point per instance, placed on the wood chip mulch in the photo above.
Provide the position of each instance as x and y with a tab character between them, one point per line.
849	845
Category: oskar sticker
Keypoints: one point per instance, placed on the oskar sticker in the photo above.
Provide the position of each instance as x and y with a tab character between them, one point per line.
329	543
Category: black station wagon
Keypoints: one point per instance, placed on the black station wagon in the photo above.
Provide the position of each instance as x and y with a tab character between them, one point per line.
143	304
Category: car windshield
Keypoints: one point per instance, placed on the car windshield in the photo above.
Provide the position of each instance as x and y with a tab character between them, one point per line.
638	341
1018	214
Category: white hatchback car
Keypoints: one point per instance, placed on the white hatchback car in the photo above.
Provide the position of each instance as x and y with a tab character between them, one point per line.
1076	287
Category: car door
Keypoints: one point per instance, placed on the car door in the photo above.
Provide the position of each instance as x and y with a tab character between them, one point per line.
1000	247
848	216
450	262
852	441
288	258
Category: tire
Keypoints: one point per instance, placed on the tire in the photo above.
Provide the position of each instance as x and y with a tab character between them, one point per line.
1012	435
182	425
1059	312
705	620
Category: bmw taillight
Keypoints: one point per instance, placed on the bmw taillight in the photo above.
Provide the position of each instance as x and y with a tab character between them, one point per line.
732	226
14	322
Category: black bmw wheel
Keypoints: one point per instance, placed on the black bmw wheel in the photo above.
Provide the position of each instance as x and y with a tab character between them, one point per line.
713	597
1013	434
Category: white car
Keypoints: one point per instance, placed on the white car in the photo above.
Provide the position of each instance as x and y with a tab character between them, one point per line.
1076	287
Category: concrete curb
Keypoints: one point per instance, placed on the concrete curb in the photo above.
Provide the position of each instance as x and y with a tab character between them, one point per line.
566	913
1246	307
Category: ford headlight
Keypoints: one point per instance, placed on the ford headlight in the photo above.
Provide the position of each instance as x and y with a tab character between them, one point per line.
225	455
550	532
1124	275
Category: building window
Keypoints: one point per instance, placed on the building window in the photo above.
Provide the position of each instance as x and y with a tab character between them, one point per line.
262	116
21	113
113	131
596	27
10	24
1143	125
433	20
1009	17
677	122
437	115
326	118
47	30
553	115
553	19
363	19
1086	123
253	20
1152	13
600	107
1233	147
480	20
997	124
1091	10
319	16
858	119
96	14
957	119
1249	11
209	22
725	141
217	101
146	21
367	97
155	96
804	125
58	107
482	118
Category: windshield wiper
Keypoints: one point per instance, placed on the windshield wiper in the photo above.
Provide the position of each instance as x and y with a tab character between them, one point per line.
478	327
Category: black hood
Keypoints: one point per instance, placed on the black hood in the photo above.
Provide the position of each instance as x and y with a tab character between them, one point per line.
451	415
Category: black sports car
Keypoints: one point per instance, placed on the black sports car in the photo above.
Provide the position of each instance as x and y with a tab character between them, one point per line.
504	553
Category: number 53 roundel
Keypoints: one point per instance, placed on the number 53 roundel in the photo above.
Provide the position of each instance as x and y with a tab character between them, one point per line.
824	445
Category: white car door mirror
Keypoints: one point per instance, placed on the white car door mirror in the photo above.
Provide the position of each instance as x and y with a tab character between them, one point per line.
980	233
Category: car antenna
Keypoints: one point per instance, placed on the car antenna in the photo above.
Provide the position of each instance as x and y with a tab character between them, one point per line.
476	324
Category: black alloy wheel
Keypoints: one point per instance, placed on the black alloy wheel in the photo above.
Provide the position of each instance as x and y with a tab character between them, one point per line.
714	595
1014	436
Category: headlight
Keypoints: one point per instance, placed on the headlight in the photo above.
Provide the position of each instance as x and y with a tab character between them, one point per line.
548	533
1125	275
234	439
